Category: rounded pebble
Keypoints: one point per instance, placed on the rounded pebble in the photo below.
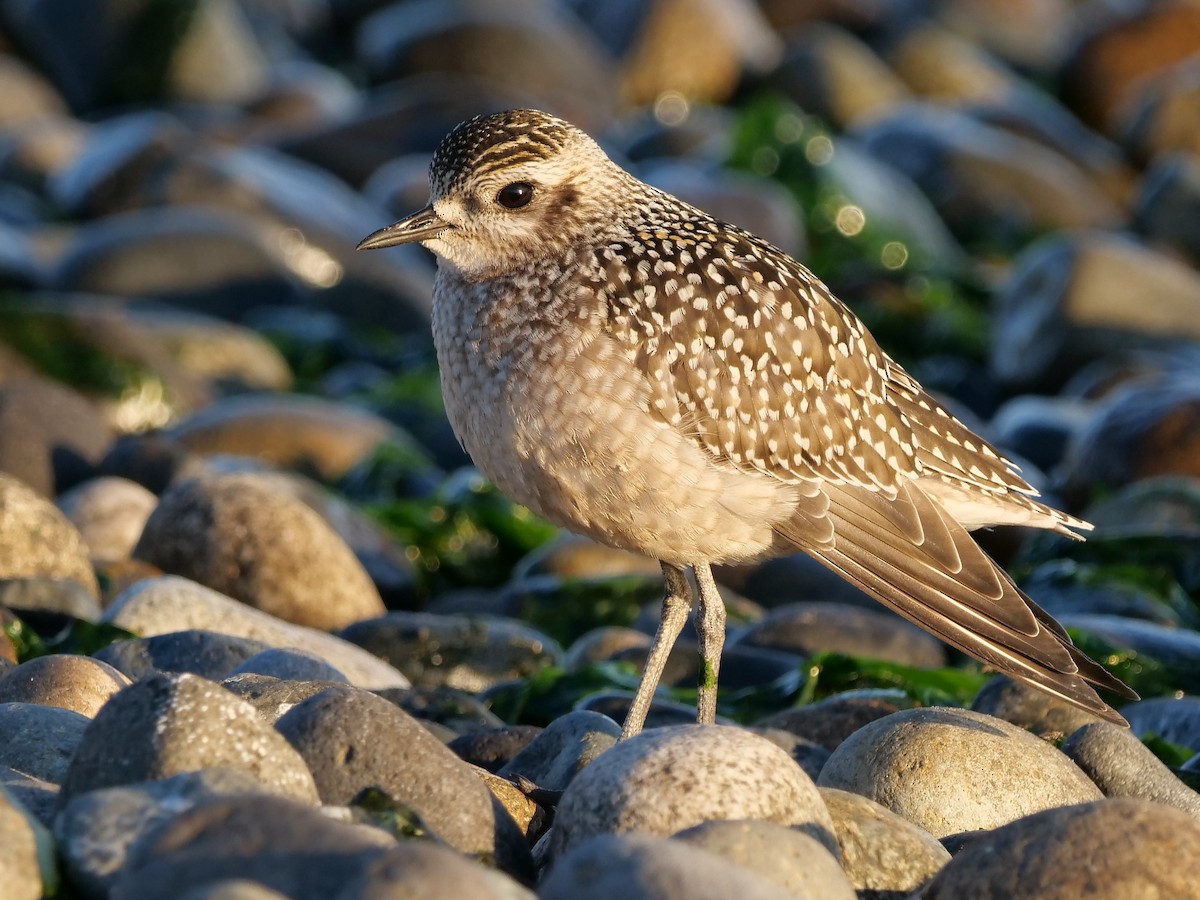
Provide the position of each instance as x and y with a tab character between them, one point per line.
77	683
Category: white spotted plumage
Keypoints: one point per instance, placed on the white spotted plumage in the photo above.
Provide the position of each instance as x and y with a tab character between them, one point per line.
637	371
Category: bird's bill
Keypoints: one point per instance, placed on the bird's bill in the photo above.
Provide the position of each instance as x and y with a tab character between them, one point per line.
420	226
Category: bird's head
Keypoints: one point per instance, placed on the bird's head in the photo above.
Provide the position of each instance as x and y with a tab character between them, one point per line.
508	189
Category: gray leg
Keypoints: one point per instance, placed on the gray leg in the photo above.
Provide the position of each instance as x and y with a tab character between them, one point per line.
675	607
710	628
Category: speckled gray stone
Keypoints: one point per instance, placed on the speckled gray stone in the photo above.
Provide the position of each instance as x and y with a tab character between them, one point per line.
1109	850
795	861
883	854
645	867
162	605
77	683
39	740
209	654
563	749
954	770
1122	766
671	778
168	724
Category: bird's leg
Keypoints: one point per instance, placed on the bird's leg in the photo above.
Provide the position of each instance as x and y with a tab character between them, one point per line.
710	629
677	602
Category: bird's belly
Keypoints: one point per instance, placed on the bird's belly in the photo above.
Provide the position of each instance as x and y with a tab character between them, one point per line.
573	442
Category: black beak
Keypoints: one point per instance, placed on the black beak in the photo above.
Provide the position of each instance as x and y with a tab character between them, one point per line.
420	226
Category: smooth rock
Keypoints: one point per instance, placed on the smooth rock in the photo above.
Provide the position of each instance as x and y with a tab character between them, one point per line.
795	861
1176	650
352	739
299	851
604	643
1122	766
290	664
671	778
209	654
110	514
273	697
883	854
20	869
256	544
563	749
462	652
422	869
37	797
952	770
1029	708
647	867
1106	850
42	600
77	683
459	711
806	628
38	540
1173	719
50	436
168	724
830	721
97	830
164	605
809	755
39	741
492	748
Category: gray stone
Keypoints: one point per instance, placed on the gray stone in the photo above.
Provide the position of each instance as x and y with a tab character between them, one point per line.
1122	766
423	870
883	854
57	596
805	628
671	778
209	654
809	755
1173	719
795	861
163	605
273	697
238	535
1106	850
39	798
298	851
96	830
563	749
602	644
38	540
492	748
352	739
647	867
110	514
20	871
1028	708
289	663
830	721
168	724
953	770
39	740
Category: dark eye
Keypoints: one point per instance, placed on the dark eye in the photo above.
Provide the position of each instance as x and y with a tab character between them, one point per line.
515	195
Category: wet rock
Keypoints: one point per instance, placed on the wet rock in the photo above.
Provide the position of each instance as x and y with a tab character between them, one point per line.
462	652
1065	304
791	859
300	852
830	721
1028	708
290	664
239	536
109	513
352	739
1107	849
645	867
1167	210
805	628
642	785
38	539
170	604
39	741
1173	719
566	746
97	830
831	73
883	854
1144	430
168	724
50	437
1122	766
308	434
971	170
950	770
209	654
425	869
20	870
493	748
77	683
